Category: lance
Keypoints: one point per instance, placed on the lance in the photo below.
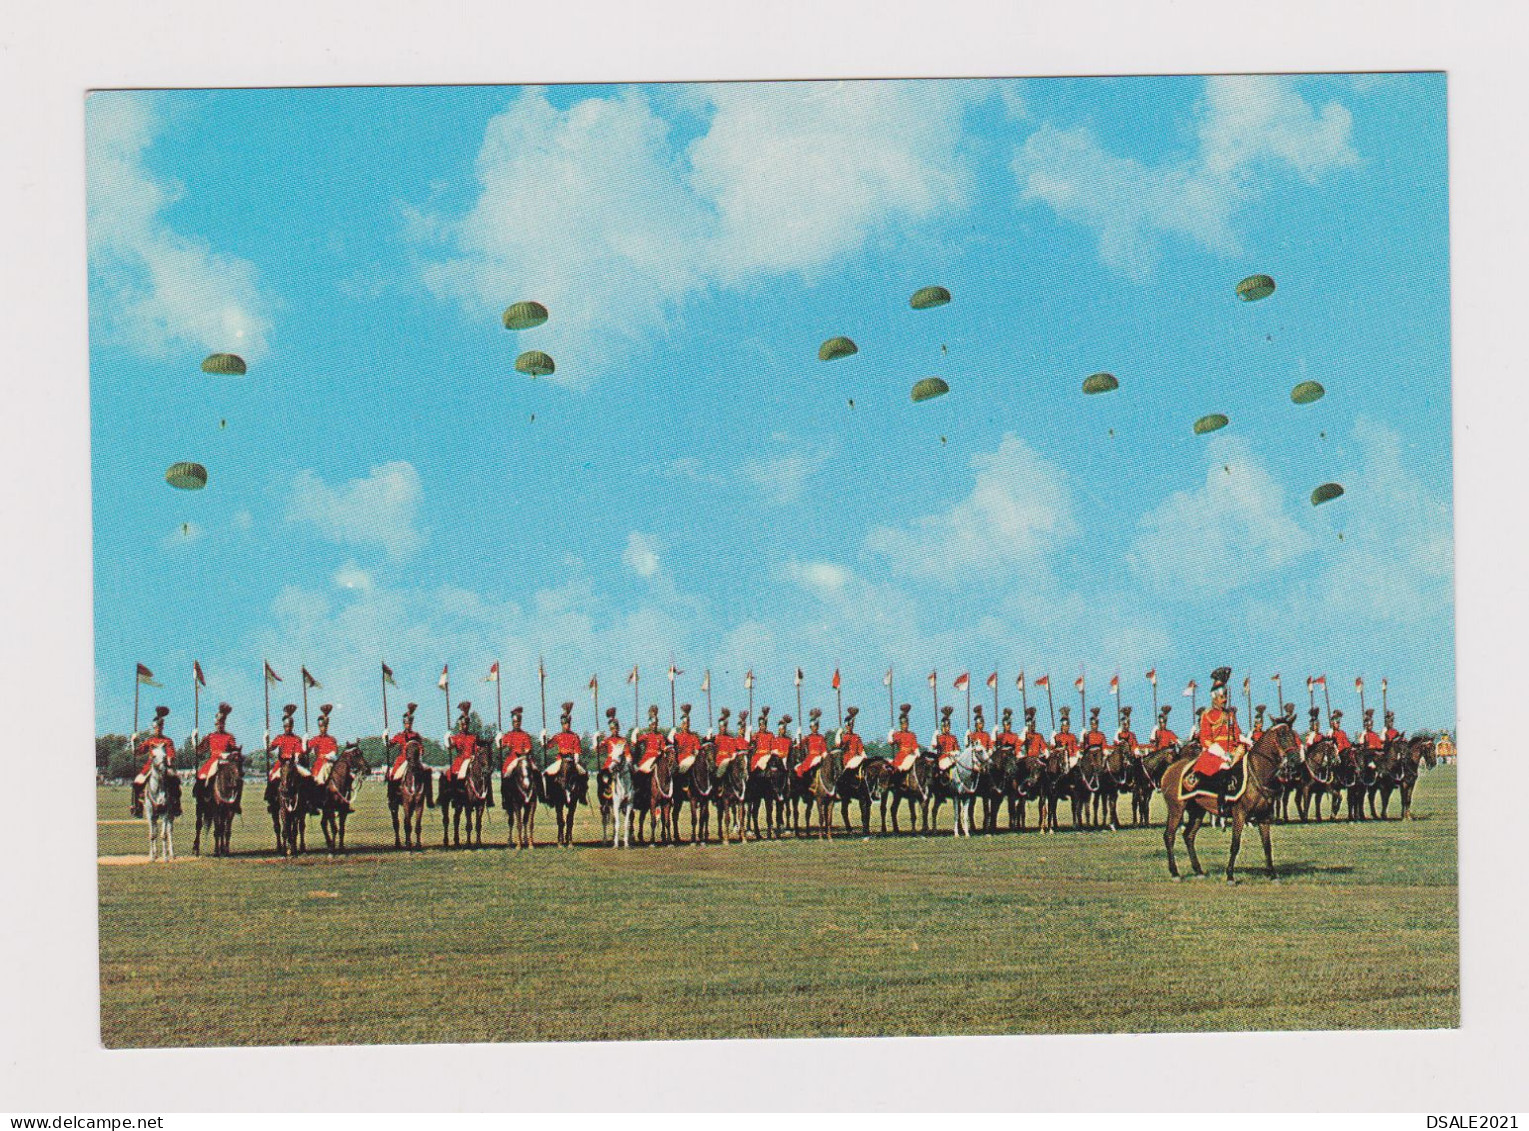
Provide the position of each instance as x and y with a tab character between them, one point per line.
304	681
995	697
934	686
196	703
1359	684
594	685
1082	702
446	693
1115	685
1311	696
499	700
137	683
798	703
968	704
636	681
541	679
711	725
839	697
1194	698
1050	706
386	726
891	716
1384	709
265	678
1279	692
1152	679
1024	696
1327	698
673	712
748	681
1247	690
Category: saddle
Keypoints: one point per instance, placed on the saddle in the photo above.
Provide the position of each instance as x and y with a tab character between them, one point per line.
1227	784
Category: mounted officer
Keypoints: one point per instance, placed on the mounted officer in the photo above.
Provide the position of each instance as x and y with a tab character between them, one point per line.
1258	723
650	743
814	743
1065	741
945	744
728	744
1162	738
762	743
904	743
462	744
400	766
1094	736
978	736
1006	739
613	745
1313	733
515	743
1126	734
322	750
1220	740
686	742
566	747
217	744
850	745
1034	742
157	740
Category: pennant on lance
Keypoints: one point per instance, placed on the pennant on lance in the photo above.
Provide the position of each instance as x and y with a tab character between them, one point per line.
445	680
270	674
1152	677
196	670
836	683
493	673
387	674
992	682
309	681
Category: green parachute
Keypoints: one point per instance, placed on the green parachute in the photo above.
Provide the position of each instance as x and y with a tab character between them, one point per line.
835	348
926	298
1211	423
230	364
186	476
1255	287
1100	383
1326	493
929	388
534	363
524	316
1307	392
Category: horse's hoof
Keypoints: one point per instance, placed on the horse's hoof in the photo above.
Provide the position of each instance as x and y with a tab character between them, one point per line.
1177	879
1233	880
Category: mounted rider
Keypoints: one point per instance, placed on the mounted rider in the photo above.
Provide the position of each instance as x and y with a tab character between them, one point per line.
1220	740
1034	742
1006	739
217	744
1094	736
945	744
1065	741
402	740
1369	741
288	745
783	741
686	742
728	744
463	744
613	745
1258	723
1392	734
904	743
1125	734
814	742
1313	733
650	743
515	743
978	736
322	749
566	747
1341	739
850	745
157	740
1163	738
762	744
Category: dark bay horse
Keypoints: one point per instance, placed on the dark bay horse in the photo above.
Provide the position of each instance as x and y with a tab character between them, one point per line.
1143	786
994	786
823	789
520	793
766	789
1114	779
412	794
1256	803
209	807
471	794
1408	755
660	800
1315	780
916	786
865	783
289	808
701	791
337	792
1050	777
729	795
565	791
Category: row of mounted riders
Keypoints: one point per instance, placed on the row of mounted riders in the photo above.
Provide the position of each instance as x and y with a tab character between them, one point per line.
764	797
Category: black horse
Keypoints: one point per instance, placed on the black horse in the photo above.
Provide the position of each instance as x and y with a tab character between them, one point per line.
865	783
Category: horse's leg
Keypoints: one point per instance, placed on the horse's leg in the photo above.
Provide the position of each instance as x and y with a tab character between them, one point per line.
1263	835
1195	816
1406	791
1239	818
1170	834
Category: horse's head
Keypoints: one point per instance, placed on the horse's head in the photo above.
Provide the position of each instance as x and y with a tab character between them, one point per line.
1424	748
353	756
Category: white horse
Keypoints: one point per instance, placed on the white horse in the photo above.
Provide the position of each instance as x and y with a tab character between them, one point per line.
621	801
156	807
964	775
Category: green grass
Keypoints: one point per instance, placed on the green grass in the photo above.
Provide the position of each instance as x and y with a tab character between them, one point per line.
1079	932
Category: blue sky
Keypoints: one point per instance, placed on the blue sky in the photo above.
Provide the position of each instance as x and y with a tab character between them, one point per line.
693	482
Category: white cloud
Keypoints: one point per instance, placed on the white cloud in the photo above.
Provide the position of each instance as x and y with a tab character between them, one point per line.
1246	123
1017	512
353	577
161	291
783	478
599	213
1230	532
641	554
379	510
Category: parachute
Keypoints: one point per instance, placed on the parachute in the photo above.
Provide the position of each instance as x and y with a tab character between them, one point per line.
1212	423
227	363
1255	287
1100	383
1326	493
835	348
929	388
1307	392
524	316
186	476
926	298
534	363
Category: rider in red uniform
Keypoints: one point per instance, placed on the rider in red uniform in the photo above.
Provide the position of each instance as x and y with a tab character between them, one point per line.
728	744
1065	741
1218	733
463	745
322	750
1392	734
156	740
287	745
1162	737
1034	742
515	743
218	743
851	746
978	736
1341	739
566	747
814	742
783	742
1006	739
1124	733
762	745
905	744
613	745
401	740
687	743
1094	736
1258	724
649	743
1313	728
1373	744
946	744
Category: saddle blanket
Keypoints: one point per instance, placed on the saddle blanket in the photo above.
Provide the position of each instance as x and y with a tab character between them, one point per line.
688	761
904	762
400	768
757	761
509	764
808	766
1196	784
853	761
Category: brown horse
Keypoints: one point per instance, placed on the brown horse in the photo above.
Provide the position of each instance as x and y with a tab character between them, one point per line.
915	785
864	783
471	794
1409	755
412	794
766	788
660	800
1143	786
337	792
1256	803
700	791
823	791
220	794
520	792
289	808
731	790
1315	780
565	790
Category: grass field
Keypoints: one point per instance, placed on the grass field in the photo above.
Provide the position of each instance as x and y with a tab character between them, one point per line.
1078	932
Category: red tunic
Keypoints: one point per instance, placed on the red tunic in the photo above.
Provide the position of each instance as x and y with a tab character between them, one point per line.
650	744
287	747
1065	740
1392	734
687	744
980	738
219	742
763	747
728	747
945	746
402	740
853	747
817	746
1095	737
565	744
1340	740
1164	739
1217	728
904	749
1035	744
147	748
1128	736
515	744
320	747
465	745
612	747
1007	738
1373	741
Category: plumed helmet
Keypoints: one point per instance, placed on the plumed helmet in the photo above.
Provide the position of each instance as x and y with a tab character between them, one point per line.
161	713
286	712
784	720
325	710
652	710
851	712
764	713
1125	712
224	710
516	712
1164	710
408	712
815	713
1219	679
685	710
1008	713
1029	714
610	713
1337	715
1259	710
724	714
1093	715
464	707
1065	712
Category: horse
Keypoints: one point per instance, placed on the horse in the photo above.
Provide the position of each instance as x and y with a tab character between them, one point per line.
660	800
413	793
1114	779
520	793
1049	775
915	785
798	792
565	791
729	796
161	805
865	783
766	787
338	791
289	809
701	789
1143	786
823	789
1080	784
1413	752
619	777
1315	780
210	807
1260	765
963	779
993	785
